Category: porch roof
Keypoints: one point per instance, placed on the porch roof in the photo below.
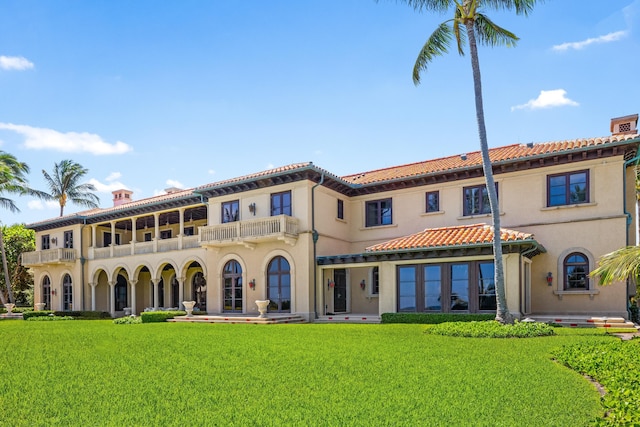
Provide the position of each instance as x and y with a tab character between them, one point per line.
463	240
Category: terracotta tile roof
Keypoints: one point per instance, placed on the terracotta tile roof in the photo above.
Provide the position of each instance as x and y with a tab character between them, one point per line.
474	159
475	234
275	171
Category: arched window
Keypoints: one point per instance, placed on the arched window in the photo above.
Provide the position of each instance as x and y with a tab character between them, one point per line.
576	270
232	290
46	292
67	293
279	285
199	286
120	291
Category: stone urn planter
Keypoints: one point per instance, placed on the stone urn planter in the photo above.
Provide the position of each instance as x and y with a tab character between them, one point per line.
262	307
39	306
9	307
188	306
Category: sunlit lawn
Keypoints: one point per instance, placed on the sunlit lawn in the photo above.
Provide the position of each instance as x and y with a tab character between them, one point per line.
86	373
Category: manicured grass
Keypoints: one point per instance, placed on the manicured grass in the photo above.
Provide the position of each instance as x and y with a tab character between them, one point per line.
98	373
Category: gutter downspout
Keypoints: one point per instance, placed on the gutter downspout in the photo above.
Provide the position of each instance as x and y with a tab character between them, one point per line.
523	300
314	236
82	262
636	160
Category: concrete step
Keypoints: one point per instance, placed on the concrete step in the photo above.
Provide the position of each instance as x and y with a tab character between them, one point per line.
349	318
576	321
269	319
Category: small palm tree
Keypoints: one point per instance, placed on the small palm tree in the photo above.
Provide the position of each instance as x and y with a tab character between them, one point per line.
64	185
12	181
478	28
618	266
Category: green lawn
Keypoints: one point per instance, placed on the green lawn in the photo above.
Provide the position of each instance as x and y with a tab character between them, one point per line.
97	373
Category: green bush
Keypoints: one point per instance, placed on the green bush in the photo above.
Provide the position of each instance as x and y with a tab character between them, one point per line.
49	318
615	365
634	313
128	320
85	315
160	316
29	314
492	329
433	318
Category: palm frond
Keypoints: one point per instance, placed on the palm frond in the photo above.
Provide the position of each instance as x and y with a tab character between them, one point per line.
490	34
618	265
521	7
436	44
429	5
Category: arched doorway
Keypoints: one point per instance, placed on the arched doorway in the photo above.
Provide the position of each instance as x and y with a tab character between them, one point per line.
46	292
232	291
175	292
67	293
279	285
199	286
120	293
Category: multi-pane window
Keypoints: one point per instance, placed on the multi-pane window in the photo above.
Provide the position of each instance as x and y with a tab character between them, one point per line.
199	286
120	293
433	201
46	242
67	293
378	212
106	238
375	281
281	203
68	239
576	269
476	200
230	211
147	237
46	292
188	231
340	214
164	234
568	188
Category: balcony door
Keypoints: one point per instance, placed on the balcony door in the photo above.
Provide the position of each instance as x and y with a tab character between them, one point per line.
232	292
340	290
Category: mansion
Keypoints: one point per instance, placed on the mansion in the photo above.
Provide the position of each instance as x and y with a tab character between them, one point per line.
409	238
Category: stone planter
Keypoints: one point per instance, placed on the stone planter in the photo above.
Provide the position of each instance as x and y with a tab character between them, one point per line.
263	305
39	306
188	306
9	307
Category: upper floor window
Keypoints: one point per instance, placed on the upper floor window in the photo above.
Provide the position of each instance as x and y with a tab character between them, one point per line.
576	269
340	214
165	234
476	200
281	203
188	231
106	238
568	188
433	201
45	242
378	212
230	211
68	239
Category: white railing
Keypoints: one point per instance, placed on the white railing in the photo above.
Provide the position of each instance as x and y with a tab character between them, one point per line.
101	253
122	250
190	242
280	225
166	245
49	256
143	248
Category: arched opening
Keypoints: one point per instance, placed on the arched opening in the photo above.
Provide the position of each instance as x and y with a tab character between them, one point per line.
199	287
46	292
120	292
232	289
279	285
67	293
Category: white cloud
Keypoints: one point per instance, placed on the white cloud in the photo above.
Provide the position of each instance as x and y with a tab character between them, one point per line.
69	142
15	63
157	192
547	99
113	176
107	188
270	166
38	205
607	38
211	172
174	183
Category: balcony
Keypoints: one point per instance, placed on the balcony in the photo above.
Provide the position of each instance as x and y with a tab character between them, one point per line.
49	256
250	232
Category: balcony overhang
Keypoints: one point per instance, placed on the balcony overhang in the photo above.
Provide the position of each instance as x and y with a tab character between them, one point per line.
250	233
49	257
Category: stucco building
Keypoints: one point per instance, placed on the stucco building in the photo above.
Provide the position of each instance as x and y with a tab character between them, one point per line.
409	238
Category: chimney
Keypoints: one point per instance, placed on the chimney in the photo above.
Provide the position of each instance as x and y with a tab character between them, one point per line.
121	197
624	125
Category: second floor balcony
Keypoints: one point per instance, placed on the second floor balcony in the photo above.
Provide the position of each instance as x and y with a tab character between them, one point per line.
49	256
250	232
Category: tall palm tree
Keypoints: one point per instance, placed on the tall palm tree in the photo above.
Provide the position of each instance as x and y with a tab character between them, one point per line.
12	181
64	185
478	28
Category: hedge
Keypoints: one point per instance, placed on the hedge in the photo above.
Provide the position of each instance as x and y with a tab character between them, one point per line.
433	318
82	315
160	316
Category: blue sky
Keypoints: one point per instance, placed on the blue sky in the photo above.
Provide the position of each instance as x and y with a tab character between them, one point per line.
149	95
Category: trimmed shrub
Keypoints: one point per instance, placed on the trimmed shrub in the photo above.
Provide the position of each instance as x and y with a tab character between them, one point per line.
30	314
84	315
433	318
128	320
49	318
492	329
160	316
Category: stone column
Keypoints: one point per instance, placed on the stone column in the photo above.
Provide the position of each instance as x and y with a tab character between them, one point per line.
133	236
112	297
133	296
113	237
181	230
156	297
93	295
180	292
156	224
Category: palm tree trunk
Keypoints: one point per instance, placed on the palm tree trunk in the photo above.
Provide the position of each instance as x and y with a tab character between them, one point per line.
7	279
502	311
